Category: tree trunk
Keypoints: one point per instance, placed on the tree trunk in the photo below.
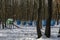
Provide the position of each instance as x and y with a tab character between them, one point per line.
3	12
47	31
57	14
38	26
58	18
0	13
59	33
44	9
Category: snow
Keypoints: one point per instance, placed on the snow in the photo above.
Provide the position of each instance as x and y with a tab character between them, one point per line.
28	33
54	33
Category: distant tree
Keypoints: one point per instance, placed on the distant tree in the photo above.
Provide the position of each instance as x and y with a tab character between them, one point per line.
57	13
3	13
33	11
47	30
58	16
58	22
44	8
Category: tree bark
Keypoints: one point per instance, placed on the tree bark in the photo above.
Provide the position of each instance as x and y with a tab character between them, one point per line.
59	33
47	30
38	26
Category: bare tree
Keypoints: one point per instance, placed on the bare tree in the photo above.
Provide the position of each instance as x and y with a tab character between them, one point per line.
0	13
58	14
3	13
43	8
47	30
38	26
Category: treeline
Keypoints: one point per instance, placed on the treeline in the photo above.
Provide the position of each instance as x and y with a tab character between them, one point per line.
25	9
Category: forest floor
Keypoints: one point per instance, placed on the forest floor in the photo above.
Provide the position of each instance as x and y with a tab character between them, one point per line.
28	33
54	34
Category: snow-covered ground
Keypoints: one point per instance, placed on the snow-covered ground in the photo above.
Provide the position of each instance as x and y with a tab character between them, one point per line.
27	33
54	34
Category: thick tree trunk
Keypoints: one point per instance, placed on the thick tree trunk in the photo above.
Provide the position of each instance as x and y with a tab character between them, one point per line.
38	26
47	31
0	12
